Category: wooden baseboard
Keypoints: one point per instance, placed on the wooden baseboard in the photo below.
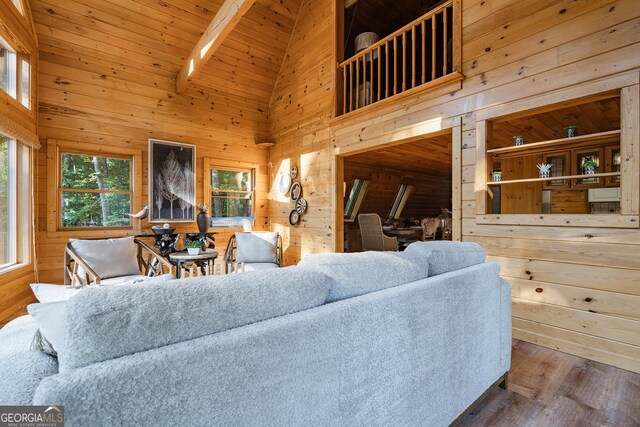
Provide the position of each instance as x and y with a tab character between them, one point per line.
502	382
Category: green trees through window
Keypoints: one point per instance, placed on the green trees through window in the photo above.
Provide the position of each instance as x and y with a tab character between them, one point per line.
96	191
231	194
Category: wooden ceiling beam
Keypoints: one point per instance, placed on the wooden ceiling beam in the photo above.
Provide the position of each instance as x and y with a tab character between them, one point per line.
222	24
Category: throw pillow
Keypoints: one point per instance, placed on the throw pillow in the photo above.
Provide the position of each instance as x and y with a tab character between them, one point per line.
257	246
357	274
108	322
108	257
45	292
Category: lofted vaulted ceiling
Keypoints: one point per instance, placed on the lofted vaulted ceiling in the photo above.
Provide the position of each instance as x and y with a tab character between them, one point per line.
147	42
248	61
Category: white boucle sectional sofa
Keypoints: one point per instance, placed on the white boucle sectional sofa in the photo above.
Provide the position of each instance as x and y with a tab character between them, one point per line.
376	338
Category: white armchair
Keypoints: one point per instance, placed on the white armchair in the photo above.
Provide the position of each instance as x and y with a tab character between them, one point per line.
111	261
251	251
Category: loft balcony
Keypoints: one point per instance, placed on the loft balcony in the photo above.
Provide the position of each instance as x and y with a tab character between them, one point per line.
421	55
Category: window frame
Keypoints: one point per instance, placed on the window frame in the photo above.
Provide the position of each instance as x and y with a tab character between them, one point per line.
404	192
19	222
17	93
350	215
629	217
55	150
211	164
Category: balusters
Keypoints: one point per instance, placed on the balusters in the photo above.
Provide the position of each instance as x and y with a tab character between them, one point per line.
444	47
362	78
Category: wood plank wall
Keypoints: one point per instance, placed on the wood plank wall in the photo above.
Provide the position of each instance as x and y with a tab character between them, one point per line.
15	293
107	77
513	50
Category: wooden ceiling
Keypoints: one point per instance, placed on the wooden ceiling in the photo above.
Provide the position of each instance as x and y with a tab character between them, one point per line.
249	60
150	40
592	117
381	16
425	157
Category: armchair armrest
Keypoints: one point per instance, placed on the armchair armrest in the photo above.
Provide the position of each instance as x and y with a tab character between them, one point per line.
229	259
154	263
71	273
389	243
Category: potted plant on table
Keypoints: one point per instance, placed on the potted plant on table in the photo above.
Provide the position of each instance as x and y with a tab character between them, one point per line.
193	247
496	175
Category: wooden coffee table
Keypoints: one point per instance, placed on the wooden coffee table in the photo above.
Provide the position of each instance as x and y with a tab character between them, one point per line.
204	260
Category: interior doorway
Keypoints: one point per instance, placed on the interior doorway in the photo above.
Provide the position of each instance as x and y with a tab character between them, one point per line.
406	185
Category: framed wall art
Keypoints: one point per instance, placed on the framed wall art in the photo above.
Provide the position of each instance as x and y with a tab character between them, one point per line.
172	181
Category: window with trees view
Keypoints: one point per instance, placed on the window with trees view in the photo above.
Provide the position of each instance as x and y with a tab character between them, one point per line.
232	195
95	191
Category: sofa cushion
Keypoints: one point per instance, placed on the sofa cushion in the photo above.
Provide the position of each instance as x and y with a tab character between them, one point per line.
445	256
17	335
361	273
257	246
109	257
46	292
103	323
21	373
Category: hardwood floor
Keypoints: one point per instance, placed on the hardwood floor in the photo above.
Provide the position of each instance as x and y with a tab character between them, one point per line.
550	388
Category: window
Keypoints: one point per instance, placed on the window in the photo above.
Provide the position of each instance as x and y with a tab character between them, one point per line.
356	196
7	68
232	195
7	201
18	4
95	191
24	88
401	199
15	204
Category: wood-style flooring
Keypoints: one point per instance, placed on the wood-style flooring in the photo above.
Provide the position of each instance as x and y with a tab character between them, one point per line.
550	388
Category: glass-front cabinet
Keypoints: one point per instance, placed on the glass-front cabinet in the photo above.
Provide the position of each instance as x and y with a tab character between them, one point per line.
587	162
613	162
559	167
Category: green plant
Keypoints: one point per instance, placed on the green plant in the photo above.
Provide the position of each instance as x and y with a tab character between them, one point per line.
589	164
202	207
193	244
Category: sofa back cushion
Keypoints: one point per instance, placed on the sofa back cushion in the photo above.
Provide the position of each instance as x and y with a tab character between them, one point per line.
256	246
445	256
356	274
108	257
107	322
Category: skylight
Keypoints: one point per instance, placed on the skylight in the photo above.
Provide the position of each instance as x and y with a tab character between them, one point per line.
18	4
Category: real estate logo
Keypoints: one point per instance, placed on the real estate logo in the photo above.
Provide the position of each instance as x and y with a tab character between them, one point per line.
31	416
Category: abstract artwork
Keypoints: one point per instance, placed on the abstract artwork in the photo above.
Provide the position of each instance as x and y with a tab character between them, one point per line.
172	181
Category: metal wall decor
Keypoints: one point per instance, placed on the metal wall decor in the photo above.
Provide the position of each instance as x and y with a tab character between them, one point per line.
295	192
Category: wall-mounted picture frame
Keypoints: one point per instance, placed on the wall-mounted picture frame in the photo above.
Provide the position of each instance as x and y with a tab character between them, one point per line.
172	181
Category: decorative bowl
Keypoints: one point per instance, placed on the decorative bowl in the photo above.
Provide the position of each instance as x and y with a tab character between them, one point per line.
161	230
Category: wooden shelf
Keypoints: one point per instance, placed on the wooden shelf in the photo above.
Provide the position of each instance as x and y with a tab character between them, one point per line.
608	136
554	178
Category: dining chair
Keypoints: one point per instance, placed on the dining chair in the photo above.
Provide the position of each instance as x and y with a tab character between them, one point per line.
373	239
430	228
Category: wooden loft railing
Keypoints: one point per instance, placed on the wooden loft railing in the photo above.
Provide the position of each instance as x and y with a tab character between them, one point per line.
422	54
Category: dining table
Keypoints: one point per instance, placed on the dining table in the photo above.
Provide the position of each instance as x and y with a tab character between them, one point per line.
405	235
